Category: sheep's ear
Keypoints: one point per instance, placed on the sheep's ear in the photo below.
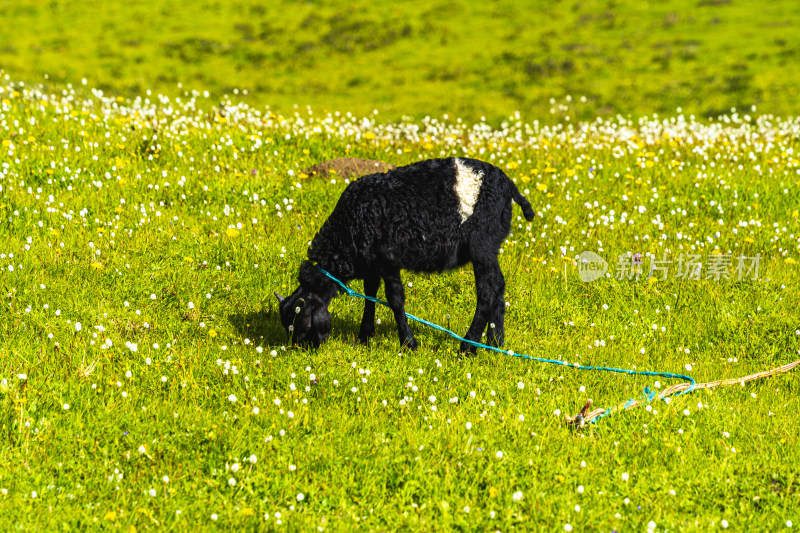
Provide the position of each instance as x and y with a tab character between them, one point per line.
301	302
279	297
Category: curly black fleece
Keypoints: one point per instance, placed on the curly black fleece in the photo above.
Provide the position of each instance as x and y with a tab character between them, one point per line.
409	218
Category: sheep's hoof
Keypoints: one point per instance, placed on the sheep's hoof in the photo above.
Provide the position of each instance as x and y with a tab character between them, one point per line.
365	336
410	343
468	349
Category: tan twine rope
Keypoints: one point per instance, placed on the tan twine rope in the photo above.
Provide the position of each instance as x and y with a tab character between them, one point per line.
584	418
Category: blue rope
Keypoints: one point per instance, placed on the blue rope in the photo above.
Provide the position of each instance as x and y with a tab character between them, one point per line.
649	395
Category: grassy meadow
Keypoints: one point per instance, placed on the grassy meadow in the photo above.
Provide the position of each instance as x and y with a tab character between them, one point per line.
145	380
146	383
465	58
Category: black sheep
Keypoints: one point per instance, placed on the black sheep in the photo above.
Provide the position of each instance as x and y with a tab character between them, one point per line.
430	216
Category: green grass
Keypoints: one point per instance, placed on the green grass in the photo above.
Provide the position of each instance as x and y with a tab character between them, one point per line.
164	189
468	59
178	194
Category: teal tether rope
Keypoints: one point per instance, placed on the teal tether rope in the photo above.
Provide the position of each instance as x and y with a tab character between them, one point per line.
647	393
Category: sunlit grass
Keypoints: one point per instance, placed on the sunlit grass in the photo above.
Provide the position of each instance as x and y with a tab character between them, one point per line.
145	379
469	59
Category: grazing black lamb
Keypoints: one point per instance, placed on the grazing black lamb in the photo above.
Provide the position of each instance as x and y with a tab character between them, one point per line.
430	216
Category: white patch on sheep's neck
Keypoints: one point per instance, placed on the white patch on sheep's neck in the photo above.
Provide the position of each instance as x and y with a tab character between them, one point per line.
467	188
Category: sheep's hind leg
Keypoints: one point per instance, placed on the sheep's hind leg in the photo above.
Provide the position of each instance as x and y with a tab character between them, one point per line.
371	284
395	295
489	287
496	329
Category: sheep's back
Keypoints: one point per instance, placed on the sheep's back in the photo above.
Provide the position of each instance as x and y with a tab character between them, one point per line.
407	218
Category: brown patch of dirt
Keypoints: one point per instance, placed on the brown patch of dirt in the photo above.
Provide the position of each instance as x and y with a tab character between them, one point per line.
347	167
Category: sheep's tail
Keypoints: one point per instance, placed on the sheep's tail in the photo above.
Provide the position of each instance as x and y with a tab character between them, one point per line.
523	202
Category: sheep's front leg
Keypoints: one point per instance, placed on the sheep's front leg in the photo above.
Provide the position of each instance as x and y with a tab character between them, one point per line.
395	296
489	287
371	284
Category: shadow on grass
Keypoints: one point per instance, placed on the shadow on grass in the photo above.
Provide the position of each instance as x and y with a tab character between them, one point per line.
264	328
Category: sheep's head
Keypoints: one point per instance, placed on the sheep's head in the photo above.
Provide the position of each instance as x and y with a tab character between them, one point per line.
306	316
